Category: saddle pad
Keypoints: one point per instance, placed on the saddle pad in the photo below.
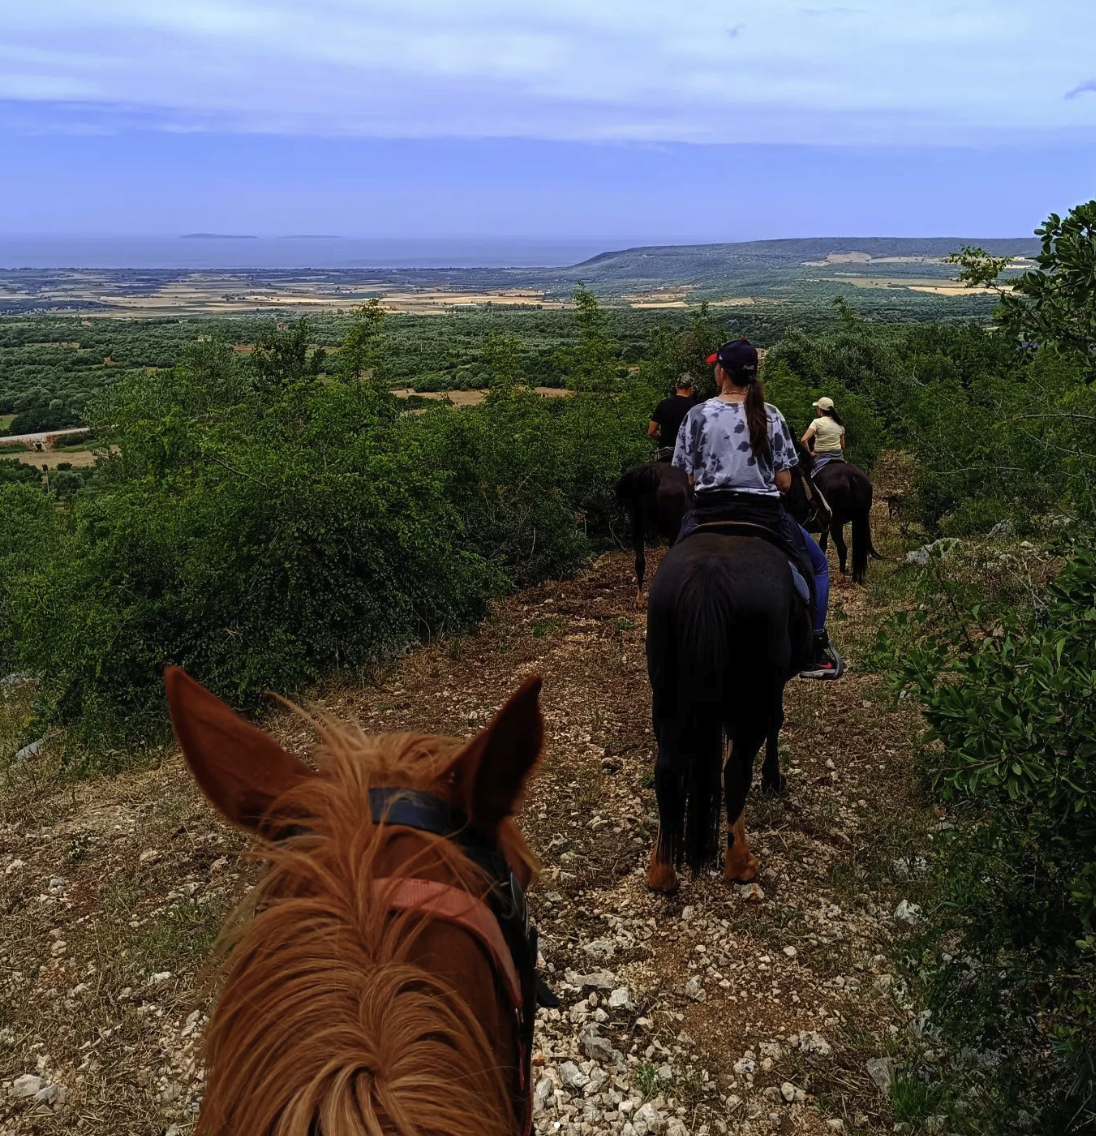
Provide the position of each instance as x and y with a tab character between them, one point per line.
747	528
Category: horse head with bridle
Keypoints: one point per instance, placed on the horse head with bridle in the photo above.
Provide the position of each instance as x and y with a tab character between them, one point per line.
385	980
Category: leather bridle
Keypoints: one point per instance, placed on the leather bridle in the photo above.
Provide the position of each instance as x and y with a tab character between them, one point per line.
499	921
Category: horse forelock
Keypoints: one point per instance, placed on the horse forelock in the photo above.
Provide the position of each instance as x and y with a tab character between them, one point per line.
325	1014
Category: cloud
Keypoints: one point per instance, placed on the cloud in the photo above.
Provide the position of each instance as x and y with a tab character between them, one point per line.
1084	88
569	71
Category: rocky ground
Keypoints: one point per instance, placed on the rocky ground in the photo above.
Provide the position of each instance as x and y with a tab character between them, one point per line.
714	1011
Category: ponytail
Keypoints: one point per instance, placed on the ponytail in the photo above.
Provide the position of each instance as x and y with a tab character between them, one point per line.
757	418
834	415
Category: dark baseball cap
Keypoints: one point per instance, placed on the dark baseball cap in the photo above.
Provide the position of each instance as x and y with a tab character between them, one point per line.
737	357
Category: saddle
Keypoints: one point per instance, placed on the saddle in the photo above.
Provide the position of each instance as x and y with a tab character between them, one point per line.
762	532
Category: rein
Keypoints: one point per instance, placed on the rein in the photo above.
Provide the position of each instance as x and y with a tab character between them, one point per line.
499	921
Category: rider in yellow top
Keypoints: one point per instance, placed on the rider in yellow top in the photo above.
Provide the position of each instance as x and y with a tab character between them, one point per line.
828	433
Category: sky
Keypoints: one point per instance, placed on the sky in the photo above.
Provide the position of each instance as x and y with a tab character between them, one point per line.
636	119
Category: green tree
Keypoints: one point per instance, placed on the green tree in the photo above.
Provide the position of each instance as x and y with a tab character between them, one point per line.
360	350
503	356
592	365
286	358
1053	305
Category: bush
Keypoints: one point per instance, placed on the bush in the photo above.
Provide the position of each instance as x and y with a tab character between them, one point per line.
263	527
1009	697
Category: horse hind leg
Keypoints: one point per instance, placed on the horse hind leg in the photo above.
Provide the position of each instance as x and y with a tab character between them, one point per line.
669	792
842	548
739	865
773	782
638	541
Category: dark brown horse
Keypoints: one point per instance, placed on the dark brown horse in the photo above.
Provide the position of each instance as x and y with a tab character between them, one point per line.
725	632
657	497
848	492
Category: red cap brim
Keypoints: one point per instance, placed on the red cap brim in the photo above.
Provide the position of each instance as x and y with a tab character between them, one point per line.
712	358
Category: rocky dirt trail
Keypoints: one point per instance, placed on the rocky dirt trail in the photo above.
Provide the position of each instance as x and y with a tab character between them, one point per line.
698	1014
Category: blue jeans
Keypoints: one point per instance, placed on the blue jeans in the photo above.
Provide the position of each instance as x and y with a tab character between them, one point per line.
821	568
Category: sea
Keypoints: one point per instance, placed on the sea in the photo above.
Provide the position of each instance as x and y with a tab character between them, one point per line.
306	251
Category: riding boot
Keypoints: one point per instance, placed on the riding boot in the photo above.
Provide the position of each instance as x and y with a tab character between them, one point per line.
827	662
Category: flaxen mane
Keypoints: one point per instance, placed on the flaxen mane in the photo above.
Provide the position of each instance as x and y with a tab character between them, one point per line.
325	1023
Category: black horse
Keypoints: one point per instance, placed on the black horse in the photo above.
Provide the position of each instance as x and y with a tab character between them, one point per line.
848	492
725	632
657	497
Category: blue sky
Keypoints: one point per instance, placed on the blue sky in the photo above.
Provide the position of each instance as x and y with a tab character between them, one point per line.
639	120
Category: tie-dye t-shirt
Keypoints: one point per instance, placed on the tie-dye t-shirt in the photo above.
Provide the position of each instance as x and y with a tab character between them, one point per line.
713	445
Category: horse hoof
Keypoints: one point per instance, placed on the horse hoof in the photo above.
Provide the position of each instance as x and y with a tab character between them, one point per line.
774	788
740	868
661	877
641	600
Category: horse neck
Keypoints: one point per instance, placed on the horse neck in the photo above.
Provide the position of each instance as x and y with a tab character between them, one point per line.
339	1011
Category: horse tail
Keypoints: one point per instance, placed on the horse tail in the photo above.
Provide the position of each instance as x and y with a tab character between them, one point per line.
861	543
873	552
705	614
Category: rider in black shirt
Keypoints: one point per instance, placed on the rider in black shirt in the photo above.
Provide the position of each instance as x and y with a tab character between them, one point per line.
669	414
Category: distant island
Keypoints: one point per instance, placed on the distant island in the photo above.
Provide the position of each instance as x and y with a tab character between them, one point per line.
219	237
310	237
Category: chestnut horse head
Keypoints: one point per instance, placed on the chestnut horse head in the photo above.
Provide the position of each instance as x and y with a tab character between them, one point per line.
384	982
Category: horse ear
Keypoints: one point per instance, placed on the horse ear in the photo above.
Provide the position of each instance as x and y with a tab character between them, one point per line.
493	767
238	767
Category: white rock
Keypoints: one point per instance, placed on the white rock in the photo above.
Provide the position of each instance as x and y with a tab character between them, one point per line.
881	1070
161	976
907	914
745	1067
27	1085
791	952
835	1125
542	1094
750	893
596	980
53	1095
694	989
676	1127
787	1091
815	1047
572	1076
600	948
648	1121
621	999
596	1047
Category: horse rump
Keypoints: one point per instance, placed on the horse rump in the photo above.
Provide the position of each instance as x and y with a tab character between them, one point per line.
637	483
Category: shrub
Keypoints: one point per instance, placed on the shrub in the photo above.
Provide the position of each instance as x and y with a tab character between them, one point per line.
1009	698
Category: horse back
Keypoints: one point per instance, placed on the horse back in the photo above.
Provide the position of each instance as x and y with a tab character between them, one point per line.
722	606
